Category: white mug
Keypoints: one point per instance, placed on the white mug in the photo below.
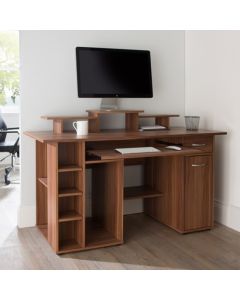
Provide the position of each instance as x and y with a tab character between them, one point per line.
81	127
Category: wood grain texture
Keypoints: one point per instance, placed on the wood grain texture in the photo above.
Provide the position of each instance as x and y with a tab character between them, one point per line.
65	118
57	126
107	198
41	191
131	121
170	182
112	154
114	111
163	121
166	175
52	195
157	115
198	192
48	136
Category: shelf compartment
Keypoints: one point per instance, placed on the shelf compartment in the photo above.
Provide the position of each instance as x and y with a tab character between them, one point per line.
69	168
140	192
105	225
70	208
70	154
70	184
43	180
70	236
97	235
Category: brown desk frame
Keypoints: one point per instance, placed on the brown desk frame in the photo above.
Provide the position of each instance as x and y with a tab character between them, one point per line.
177	190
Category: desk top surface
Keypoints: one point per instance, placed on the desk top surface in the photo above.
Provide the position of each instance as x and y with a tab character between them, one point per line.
49	136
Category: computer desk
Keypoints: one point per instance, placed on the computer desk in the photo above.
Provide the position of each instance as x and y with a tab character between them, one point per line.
177	189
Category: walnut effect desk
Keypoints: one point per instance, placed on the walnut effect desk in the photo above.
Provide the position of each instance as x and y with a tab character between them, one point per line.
177	190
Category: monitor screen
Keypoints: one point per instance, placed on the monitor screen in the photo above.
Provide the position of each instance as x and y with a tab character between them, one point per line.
103	72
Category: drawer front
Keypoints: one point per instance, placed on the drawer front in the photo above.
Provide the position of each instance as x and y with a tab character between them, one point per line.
204	143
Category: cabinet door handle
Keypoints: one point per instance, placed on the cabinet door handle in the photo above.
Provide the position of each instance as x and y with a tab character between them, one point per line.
199	145
199	165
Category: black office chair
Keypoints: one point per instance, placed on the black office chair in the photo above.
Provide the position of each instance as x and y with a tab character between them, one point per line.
12	147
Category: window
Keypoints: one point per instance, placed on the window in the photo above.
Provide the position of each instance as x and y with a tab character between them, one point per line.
9	71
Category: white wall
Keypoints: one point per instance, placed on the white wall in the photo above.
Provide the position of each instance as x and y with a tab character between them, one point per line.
48	85
213	92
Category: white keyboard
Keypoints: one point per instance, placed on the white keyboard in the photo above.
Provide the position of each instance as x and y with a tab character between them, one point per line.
154	127
137	150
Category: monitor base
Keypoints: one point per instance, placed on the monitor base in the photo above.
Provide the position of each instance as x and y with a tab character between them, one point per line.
109	104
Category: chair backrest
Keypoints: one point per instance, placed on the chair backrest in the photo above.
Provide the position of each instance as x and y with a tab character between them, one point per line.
3	126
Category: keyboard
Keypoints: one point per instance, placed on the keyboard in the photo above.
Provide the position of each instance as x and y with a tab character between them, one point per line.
137	150
154	127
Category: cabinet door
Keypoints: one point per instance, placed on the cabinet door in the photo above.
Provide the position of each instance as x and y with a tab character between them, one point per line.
198	206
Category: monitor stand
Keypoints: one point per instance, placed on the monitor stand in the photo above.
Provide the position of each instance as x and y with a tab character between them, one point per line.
109	104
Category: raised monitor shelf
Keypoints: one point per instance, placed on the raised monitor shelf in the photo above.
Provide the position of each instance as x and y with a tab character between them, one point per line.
131	119
140	192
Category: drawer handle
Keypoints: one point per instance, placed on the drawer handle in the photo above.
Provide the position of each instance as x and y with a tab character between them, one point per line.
199	145
199	165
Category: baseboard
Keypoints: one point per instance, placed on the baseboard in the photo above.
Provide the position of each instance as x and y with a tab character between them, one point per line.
227	215
26	216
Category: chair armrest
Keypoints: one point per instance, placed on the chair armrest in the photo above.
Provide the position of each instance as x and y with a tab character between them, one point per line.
12	128
9	131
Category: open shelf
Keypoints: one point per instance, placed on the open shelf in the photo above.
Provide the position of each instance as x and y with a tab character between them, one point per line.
68	192
70	156
69	168
69	246
140	192
96	234
70	236
43	180
69	216
70	184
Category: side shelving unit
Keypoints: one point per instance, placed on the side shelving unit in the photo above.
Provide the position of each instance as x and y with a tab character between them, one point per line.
71	214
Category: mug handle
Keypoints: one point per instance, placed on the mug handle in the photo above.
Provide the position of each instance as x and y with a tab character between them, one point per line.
74	126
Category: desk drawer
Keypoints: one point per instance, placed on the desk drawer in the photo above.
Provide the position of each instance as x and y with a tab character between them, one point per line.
204	143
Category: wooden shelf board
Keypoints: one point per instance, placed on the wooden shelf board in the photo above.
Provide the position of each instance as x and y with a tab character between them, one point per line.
157	116
114	111
69	192
69	246
65	118
99	161
43	180
69	216
140	192
69	168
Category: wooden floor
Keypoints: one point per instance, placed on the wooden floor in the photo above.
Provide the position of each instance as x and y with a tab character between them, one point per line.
148	245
